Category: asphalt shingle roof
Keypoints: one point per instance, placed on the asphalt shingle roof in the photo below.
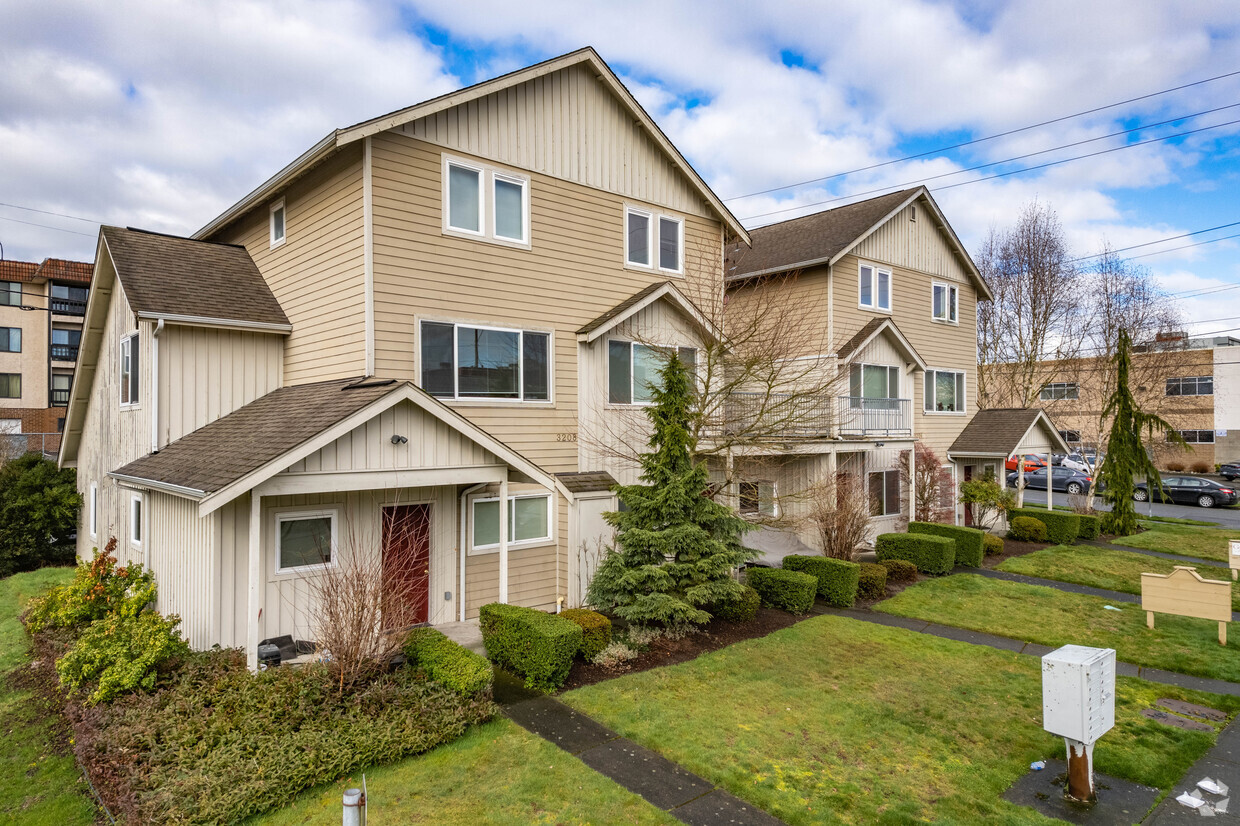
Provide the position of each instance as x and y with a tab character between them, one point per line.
168	275
587	481
624	305
995	432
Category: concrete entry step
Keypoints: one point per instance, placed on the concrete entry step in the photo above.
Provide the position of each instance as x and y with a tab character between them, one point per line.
467	634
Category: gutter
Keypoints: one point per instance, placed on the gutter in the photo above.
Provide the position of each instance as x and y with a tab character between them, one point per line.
226	323
163	487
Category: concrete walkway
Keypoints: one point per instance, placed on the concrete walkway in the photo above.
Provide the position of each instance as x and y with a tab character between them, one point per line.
467	634
1221	762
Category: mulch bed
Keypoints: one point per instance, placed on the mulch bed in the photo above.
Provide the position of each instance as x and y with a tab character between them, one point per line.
1013	548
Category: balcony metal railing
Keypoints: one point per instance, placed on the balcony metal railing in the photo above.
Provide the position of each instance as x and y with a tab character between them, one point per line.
13	445
863	416
65	306
60	398
64	352
777	415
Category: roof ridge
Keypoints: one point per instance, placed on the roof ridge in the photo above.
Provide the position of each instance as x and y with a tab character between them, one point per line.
179	237
821	212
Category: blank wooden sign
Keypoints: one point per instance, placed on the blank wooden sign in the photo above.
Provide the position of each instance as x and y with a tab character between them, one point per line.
1184	593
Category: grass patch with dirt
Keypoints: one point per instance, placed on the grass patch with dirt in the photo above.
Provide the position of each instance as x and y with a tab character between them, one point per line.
835	720
1044	615
39	782
1177	538
1114	570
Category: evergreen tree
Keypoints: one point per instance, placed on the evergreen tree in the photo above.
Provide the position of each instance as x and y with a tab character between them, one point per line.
675	547
1126	457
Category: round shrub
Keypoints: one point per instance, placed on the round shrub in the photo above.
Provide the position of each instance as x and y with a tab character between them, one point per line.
899	570
1027	529
536	645
447	663
595	630
1061	528
1175	467
1202	467
872	583
1091	526
837	578
931	554
790	591
968	540
993	545
742	609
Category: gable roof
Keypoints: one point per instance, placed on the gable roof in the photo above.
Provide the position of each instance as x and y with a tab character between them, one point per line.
587	481
173	278
872	330
999	432
639	301
827	236
339	138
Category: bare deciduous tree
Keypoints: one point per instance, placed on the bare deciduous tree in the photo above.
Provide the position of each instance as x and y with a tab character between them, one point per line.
841	511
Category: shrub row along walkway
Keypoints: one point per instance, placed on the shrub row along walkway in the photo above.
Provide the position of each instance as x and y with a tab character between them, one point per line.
680	793
1154	675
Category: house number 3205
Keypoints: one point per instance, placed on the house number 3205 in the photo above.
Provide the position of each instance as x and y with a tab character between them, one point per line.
566	437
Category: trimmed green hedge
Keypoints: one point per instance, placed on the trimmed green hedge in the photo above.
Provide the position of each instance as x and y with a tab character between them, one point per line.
742	609
1061	528
837	578
899	570
538	646
1091	526
931	554
447	663
872	583
1026	529
992	545
791	591
969	549
595	630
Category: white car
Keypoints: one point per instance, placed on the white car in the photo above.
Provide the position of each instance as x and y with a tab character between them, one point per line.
1083	462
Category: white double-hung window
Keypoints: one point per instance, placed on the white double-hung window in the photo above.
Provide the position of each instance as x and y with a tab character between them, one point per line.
654	241
129	382
874	287
487	203
945	298
529	521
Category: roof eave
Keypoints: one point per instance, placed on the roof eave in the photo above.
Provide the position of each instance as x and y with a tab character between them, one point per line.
162	487
223	323
666	290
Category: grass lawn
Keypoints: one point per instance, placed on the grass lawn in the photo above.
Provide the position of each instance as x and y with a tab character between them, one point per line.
839	721
37	786
497	773
1187	540
1050	617
1114	570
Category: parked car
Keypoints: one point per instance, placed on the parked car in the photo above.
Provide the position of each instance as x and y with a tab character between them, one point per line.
1190	490
1084	462
1229	470
1063	478
1032	462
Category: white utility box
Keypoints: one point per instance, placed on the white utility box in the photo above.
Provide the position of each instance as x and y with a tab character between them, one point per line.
1078	692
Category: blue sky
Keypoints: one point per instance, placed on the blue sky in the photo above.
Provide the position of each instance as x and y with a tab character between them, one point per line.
160	113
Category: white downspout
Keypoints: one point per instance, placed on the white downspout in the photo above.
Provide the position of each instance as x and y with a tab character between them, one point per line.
159	328
503	540
464	540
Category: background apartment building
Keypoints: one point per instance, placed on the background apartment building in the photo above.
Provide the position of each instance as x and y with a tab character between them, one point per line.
41	311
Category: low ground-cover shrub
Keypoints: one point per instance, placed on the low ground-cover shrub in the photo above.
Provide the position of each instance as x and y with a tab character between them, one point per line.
872	582
992	545
931	554
99	587
219	744
448	663
837	578
969	541
121	654
790	591
1091	526
614	656
899	570
1061	528
741	609
1026	529
536	645
595	630
1202	467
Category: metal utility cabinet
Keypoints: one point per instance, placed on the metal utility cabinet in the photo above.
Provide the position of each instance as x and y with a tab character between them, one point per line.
1078	704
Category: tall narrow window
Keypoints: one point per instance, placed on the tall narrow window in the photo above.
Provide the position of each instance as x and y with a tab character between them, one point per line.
637	231
945	299
277	223
129	383
509	209
464	198
10	339
670	243
135	519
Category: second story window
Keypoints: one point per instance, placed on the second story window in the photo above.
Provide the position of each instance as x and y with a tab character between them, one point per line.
633	369
488	203
1057	390
10	294
464	361
68	300
276	223
945	299
10	339
874	287
65	344
129	370
944	391
10	385
1192	386
654	241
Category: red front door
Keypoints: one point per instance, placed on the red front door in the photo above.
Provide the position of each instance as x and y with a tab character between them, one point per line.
406	564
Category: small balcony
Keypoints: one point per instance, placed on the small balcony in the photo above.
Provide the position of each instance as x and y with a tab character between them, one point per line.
776	416
66	306
865	416
60	397
64	352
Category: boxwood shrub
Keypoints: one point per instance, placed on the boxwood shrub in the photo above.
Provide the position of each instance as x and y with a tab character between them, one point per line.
742	609
837	578
595	630
791	591
969	550
992	545
899	570
1026	529
872	583
931	554
1061	528
1091	526
447	663
538	646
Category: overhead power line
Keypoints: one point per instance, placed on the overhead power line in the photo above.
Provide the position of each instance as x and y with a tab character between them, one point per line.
1159	241
57	214
47	226
982	140
1185	247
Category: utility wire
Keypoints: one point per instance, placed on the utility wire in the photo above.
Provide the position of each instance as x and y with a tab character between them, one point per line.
47	226
981	140
1186	246
57	214
1159	241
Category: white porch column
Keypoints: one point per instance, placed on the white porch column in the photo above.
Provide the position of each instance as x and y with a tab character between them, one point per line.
1020	480
503	541
1050	481
912	488
254	603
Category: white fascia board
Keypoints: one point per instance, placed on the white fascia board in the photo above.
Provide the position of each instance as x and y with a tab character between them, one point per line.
219	323
668	291
151	484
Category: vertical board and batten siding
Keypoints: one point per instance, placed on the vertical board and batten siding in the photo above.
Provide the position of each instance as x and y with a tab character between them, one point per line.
317	274
566	124
206	373
182	555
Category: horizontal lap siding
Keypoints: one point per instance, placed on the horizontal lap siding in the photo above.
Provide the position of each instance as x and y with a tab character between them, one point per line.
531	578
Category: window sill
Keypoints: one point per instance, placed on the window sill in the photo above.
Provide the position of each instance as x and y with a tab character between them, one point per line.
944	413
285	574
488	239
659	271
125	407
946	321
524	545
454	402
874	309
277	244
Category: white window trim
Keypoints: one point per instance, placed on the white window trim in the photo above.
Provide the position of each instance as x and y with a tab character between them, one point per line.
274	242
475	548
964	402
294	515
1064	384
632	386
456	398
758	514
487	176
953	295
652	240
136	500
680	252
886	514
891	288
94	510
132	339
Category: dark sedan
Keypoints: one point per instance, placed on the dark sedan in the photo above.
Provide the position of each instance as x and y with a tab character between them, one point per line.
1191	490
1064	479
1229	470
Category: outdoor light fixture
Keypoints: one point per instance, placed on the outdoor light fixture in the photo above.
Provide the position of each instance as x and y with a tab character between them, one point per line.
398	439
878	444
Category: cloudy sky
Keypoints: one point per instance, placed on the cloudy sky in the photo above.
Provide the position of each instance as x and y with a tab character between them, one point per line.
159	113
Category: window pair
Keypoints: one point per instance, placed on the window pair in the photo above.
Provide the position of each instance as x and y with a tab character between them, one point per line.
1197	437
945	299
1192	386
944	391
486	202
653	240
529	520
463	361
1059	390
874	288
633	369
